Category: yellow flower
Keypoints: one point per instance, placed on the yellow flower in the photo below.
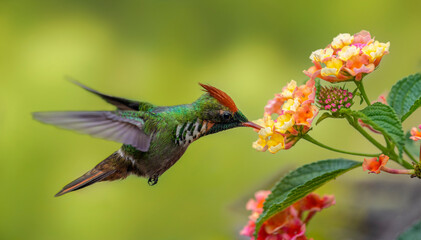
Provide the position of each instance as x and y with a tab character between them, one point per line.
288	91
347	52
321	54
260	144
333	66
342	40
276	143
291	105
268	139
284	123
376	50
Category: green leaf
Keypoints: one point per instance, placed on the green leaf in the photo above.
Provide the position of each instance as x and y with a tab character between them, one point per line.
300	182
384	119
405	96
412	233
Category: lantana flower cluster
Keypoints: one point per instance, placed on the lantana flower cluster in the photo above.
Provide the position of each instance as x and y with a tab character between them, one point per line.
295	111
347	57
289	224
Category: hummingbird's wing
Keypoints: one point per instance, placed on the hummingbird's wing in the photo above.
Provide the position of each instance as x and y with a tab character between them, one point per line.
120	103
103	124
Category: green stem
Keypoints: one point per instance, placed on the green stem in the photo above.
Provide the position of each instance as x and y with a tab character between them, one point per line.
409	154
314	141
388	144
360	87
403	163
357	127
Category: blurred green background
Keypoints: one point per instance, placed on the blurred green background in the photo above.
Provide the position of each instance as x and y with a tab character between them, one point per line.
158	51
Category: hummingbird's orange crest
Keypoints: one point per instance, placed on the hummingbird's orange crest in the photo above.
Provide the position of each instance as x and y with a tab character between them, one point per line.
221	96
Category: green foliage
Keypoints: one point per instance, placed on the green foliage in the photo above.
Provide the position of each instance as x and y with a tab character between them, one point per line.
300	182
405	96
412	233
384	119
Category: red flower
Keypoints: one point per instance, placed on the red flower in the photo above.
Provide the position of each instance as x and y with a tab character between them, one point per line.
288	224
314	202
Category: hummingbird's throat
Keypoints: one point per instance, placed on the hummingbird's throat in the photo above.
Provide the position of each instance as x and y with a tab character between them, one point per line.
188	132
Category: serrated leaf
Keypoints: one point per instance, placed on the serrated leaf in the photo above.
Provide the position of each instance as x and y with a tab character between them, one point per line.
405	96
412	233
384	119
300	182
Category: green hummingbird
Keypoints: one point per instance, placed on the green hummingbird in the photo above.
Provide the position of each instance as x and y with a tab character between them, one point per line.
153	137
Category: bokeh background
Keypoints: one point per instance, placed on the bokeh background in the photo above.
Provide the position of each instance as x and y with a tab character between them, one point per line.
158	51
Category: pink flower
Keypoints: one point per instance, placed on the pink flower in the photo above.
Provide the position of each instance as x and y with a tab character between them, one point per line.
347	58
415	133
257	205
287	224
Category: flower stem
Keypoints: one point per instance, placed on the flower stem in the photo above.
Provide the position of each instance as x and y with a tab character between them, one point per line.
360	87
390	152
314	141
403	163
397	171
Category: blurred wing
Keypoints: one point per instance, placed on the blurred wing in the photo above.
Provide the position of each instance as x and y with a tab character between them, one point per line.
120	103
102	124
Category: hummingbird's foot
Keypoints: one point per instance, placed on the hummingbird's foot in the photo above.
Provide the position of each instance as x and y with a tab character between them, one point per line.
153	180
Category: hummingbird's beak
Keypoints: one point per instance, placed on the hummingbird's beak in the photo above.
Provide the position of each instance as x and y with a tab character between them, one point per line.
252	125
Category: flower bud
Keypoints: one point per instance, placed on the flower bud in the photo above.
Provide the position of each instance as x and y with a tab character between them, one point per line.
334	98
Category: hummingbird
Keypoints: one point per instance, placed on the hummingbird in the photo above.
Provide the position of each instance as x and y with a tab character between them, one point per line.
153	137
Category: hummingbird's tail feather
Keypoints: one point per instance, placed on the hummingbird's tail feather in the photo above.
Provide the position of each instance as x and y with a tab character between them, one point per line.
112	168
84	181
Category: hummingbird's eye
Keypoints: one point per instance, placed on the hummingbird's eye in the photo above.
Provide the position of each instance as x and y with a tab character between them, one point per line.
226	116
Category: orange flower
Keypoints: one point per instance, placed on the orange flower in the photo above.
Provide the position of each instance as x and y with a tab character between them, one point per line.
347	58
373	165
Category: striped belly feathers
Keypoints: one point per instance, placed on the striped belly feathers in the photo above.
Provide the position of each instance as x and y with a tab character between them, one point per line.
188	132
